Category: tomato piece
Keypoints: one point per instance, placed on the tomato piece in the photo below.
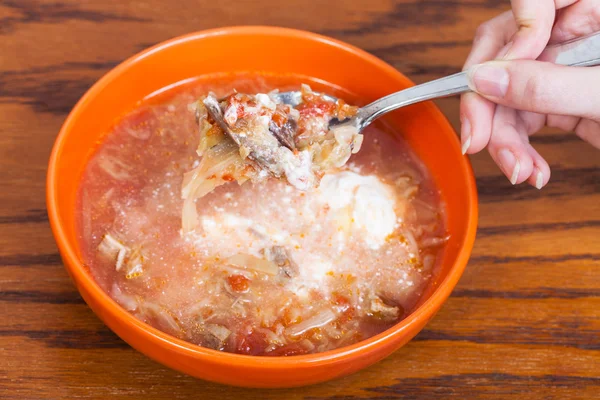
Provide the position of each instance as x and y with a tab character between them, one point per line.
279	119
252	344
316	109
347	315
347	312
228	178
238	283
340	300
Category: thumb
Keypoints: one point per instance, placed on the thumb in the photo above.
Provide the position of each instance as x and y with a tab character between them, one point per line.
540	87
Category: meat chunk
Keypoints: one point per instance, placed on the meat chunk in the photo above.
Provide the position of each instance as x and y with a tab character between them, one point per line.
247	122
215	336
383	311
280	256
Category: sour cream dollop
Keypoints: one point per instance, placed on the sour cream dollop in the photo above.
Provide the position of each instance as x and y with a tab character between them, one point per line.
361	204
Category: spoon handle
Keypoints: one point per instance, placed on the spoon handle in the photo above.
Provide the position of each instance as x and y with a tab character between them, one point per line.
580	52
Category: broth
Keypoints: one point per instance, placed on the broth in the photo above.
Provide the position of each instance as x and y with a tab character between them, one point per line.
270	270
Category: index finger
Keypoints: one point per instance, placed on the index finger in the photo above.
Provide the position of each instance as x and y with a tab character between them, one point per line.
490	38
535	19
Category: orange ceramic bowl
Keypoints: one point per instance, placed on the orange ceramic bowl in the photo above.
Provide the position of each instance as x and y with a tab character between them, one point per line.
279	51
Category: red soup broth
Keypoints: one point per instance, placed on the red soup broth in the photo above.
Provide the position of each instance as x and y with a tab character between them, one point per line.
355	254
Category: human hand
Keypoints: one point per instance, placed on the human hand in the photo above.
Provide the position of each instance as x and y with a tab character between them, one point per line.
515	96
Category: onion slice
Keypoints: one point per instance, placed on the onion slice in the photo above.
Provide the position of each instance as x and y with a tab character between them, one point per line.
254	263
316	321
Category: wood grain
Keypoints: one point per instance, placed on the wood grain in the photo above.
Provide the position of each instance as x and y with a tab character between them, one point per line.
524	321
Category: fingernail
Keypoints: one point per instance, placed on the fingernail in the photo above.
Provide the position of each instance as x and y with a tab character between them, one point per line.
490	79
466	135
466	144
539	180
503	55
509	164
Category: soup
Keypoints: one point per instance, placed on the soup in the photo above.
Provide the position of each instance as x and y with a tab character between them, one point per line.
266	269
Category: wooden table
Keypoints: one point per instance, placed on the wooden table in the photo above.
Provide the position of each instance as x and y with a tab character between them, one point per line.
524	320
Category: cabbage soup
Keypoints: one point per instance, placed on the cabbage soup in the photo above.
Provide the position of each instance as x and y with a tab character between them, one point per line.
186	228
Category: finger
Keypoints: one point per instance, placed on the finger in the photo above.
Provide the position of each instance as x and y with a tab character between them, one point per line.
490	38
540	174
589	131
539	87
508	147
563	122
534	19
530	122
476	114
580	19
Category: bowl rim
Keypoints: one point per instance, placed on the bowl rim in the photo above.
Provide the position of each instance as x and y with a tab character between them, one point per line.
77	269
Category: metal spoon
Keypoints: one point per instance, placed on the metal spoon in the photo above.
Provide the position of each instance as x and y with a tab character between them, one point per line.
581	52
